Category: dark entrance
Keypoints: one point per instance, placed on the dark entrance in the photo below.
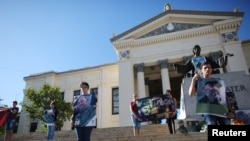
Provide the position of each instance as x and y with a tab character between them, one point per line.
33	126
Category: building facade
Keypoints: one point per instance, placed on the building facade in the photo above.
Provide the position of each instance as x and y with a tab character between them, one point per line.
146	53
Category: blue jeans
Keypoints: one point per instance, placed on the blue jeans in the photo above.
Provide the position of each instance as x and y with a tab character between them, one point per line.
136	122
216	120
50	132
76	134
10	124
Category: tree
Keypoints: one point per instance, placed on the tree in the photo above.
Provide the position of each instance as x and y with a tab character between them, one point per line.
40	101
2	105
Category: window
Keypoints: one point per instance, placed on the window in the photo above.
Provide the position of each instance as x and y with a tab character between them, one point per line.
76	94
94	91
115	101
62	96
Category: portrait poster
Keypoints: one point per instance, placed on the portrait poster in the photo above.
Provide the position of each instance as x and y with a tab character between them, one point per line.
237	91
193	125
85	107
197	61
151	108
48	118
211	97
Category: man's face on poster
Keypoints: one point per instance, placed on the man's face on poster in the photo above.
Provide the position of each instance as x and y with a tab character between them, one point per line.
83	103
146	110
212	92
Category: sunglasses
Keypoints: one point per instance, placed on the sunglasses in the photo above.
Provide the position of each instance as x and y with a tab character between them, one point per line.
84	87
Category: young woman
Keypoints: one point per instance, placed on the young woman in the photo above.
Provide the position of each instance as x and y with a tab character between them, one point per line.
84	113
135	117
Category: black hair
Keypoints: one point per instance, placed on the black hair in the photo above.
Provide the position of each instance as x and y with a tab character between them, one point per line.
169	91
15	102
196	46
84	84
205	63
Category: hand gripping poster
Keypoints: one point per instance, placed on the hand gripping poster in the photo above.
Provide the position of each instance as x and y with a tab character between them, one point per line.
211	97
85	109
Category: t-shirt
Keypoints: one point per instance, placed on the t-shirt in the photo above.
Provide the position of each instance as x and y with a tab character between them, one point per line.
134	107
12	115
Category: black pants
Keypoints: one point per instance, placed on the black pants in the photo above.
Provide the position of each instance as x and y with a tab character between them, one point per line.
84	133
171	125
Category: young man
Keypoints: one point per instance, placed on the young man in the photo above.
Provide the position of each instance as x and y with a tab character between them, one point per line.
51	117
211	96
171	112
11	122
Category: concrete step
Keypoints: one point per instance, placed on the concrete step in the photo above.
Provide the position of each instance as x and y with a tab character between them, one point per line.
154	132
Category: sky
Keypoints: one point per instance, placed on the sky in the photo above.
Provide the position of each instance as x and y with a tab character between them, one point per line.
59	35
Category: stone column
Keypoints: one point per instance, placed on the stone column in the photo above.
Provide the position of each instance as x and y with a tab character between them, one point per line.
164	75
140	80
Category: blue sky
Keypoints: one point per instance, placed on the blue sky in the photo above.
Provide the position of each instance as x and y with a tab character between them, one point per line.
60	35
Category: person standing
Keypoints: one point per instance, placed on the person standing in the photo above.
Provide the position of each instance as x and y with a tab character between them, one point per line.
211	96
84	115
10	123
136	120
171	112
50	119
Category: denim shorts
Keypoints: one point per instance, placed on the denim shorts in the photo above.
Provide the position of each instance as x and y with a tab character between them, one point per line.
10	124
136	123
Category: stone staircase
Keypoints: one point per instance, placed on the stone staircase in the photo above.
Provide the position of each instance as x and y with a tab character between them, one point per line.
153	132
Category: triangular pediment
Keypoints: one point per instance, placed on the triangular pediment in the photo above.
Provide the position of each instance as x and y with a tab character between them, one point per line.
175	21
172	27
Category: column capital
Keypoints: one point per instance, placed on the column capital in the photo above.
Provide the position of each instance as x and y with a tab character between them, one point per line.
163	63
139	67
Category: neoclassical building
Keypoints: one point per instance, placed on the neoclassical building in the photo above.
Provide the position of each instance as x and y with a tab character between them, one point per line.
146	53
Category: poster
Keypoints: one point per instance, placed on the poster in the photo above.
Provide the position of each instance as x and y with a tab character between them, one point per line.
48	118
152	108
85	107
237	90
193	125
211	97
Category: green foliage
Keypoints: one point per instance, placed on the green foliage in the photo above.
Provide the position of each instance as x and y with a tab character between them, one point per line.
40	101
